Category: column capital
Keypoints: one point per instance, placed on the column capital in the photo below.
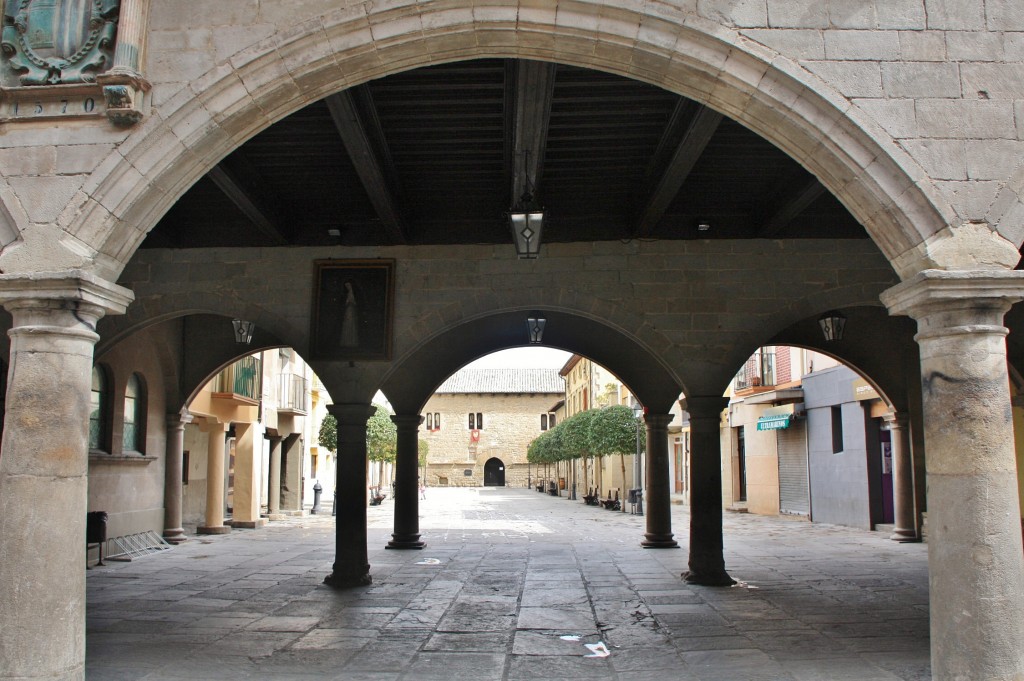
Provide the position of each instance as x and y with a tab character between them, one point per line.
18	291
177	420
410	421
896	420
658	420
933	291
349	414
704	406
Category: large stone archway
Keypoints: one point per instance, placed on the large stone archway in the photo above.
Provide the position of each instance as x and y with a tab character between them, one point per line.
56	270
192	128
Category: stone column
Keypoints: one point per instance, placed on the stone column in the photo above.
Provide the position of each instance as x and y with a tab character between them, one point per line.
131	29
707	561
407	504
902	479
215	480
291	472
173	532
123	85
975	553
274	493
44	457
351	565
247	479
659	501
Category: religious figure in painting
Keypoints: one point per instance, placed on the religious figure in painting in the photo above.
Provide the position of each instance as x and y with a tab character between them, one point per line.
350	319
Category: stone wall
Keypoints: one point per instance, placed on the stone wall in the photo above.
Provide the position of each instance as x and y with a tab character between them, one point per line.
702	306
129	485
910	111
511	422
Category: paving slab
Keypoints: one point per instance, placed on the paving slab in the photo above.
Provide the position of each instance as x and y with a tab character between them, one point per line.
814	602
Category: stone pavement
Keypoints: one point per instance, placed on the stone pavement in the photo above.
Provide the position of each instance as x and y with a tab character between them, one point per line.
509	579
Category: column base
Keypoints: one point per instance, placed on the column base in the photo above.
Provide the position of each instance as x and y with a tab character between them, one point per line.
659	541
215	529
249	524
348	580
175	536
904	535
411	541
718	579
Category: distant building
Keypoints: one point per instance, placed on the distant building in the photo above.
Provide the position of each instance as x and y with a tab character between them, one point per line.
479	423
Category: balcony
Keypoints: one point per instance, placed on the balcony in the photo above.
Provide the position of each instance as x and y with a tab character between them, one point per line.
758	373
240	383
291	394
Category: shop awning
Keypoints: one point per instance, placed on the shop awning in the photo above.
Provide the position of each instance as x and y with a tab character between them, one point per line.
776	422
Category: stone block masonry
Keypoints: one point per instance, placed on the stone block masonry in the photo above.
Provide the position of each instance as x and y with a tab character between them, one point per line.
511	422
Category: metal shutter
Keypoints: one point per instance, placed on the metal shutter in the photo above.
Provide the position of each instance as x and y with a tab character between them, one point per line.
792	444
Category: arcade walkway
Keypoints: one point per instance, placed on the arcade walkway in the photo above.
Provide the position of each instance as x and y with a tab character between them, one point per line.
505	576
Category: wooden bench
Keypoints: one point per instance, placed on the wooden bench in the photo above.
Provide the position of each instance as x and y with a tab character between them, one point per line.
611	504
376	498
592	497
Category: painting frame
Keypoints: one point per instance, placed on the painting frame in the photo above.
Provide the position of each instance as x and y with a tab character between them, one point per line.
353	310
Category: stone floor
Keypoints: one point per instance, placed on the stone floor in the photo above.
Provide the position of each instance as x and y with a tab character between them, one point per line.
515	585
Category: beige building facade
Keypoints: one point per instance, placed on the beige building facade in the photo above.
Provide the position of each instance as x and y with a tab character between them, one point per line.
479	423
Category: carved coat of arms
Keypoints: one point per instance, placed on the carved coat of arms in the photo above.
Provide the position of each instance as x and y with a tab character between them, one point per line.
59	41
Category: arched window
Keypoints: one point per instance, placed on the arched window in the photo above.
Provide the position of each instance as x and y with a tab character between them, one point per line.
99	405
134	416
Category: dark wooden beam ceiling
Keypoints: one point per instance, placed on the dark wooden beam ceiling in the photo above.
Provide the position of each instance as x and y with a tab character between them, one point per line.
533	90
243	185
790	206
356	120
700	127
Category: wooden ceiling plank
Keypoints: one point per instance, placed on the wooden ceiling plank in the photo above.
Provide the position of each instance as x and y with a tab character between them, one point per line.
534	90
701	129
242	185
357	132
789	207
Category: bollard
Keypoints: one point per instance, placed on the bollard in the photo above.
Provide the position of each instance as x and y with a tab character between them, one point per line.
317	490
334	504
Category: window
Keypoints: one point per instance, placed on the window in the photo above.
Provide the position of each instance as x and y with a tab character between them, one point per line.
837	430
430	421
476	421
99	404
551	420
437	420
133	416
543	421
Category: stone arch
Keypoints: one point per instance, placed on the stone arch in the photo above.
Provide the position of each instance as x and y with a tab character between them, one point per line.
1006	215
877	346
494	472
414	378
9	231
843	147
271	328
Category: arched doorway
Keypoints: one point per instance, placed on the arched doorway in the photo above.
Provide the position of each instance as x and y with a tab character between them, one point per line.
494	473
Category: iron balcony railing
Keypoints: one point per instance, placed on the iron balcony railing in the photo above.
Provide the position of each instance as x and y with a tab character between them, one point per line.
291	393
757	371
241	378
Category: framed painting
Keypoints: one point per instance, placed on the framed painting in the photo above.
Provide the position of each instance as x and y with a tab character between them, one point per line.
353	309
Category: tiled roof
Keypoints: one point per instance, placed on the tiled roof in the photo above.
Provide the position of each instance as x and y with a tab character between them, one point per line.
504	381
